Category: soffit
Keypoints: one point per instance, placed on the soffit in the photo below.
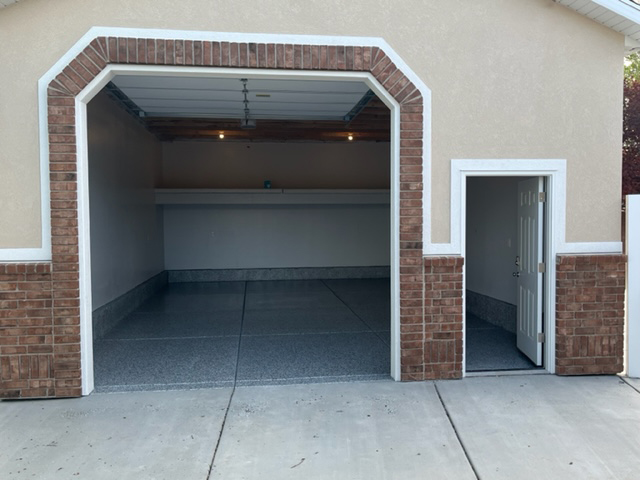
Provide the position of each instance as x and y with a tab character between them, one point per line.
623	16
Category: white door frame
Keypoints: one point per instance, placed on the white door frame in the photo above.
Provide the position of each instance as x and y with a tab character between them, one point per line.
554	171
91	90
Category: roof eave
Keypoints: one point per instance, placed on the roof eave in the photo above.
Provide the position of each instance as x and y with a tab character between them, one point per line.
623	16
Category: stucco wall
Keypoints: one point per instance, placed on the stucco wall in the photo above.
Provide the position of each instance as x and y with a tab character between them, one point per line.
126	226
509	79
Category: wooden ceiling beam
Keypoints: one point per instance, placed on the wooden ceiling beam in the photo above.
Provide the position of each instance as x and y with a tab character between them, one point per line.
273	135
372	124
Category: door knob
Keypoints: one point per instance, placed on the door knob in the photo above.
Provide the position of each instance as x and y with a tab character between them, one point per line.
516	274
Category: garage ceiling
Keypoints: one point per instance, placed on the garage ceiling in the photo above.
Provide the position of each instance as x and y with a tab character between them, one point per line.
176	108
224	98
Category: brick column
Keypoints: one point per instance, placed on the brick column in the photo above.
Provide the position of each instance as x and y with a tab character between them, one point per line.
26	331
590	314
443	320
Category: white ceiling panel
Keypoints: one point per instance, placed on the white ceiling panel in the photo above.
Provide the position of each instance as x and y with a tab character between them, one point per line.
144	95
256	85
224	98
337	108
233	114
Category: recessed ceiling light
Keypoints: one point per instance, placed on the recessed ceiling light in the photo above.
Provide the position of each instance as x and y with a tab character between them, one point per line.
350	137
221	136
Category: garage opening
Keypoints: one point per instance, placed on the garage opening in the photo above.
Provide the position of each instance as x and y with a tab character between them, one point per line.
240	232
504	272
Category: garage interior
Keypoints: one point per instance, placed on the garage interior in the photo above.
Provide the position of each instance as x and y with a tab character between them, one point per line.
240	232
491	286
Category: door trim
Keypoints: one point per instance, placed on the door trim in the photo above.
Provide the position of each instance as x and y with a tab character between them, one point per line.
555	173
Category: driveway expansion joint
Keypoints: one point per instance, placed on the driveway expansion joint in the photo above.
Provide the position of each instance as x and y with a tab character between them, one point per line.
455	430
235	382
624	379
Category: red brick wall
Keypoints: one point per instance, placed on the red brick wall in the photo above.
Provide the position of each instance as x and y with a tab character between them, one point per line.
26	331
590	314
432	338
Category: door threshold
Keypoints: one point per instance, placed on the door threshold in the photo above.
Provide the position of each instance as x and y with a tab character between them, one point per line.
506	373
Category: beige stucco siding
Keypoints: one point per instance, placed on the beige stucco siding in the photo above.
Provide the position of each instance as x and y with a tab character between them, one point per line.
509	79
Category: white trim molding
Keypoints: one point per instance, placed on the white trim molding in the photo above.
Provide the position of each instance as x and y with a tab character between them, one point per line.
591	248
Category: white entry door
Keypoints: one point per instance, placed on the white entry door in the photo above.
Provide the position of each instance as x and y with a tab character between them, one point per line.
529	277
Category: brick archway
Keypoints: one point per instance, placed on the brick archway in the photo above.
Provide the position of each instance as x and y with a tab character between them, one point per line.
42	357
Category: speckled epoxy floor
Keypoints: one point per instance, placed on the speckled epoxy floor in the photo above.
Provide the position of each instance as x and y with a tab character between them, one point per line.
492	348
198	335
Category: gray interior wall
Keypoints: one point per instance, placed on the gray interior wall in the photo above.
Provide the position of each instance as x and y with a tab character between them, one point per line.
213	237
269	236
133	239
126	226
491	237
224	164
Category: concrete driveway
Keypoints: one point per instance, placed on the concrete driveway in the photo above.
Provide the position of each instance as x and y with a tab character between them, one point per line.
531	426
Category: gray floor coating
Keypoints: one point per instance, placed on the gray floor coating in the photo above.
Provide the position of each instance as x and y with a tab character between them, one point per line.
170	302
511	427
318	320
492	348
150	364
264	332
272	358
323	328
291	300
375	316
142	325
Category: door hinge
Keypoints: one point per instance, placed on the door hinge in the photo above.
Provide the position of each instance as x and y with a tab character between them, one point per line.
541	337
542	267
542	197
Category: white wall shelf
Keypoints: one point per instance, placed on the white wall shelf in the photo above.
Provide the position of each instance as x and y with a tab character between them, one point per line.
271	196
